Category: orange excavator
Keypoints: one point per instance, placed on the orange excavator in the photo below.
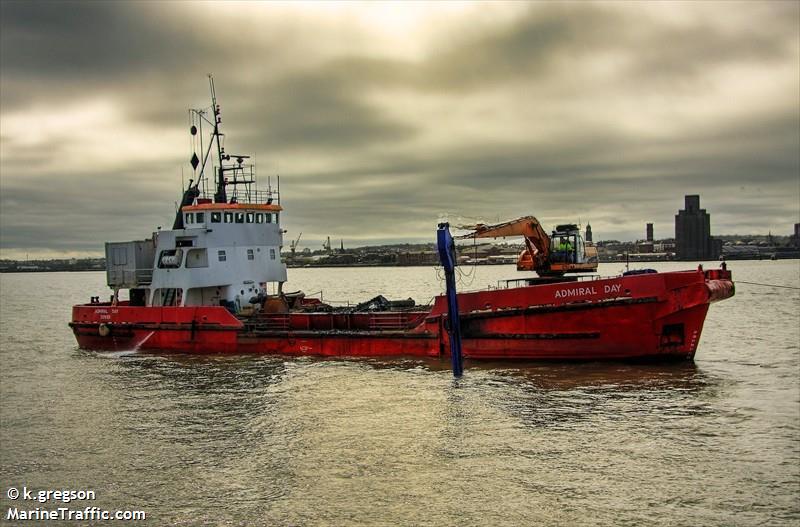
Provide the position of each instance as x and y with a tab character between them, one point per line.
565	251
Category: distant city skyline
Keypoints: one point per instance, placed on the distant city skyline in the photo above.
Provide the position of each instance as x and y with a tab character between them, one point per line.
383	117
317	246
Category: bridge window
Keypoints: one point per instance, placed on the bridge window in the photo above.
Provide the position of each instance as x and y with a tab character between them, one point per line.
272	254
259	217
216	217
228	217
240	217
200	217
268	217
221	255
249	217
189	217
250	255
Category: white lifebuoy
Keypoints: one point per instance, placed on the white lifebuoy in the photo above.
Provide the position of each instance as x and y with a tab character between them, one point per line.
103	330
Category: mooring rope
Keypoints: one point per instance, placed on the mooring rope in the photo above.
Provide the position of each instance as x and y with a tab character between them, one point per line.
767	285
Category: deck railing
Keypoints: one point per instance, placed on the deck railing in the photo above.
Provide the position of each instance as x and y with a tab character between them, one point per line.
382	321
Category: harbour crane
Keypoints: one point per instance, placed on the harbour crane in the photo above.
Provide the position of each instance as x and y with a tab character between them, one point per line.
294	243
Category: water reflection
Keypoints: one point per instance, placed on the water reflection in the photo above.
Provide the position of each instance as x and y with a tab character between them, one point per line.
569	396
191	374
556	375
199	393
609	375
207	373
219	412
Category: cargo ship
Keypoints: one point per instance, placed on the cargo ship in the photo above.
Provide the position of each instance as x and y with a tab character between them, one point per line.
213	283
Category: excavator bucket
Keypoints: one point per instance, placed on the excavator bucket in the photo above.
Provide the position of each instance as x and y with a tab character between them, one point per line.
525	261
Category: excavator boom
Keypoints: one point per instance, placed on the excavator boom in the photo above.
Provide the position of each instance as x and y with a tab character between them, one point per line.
527	226
537	242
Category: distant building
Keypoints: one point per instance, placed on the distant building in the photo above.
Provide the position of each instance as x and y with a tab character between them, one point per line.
588	236
693	239
795	238
649	232
418	258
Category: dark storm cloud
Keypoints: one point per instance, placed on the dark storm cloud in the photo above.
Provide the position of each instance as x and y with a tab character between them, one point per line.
763	151
529	47
553	38
526	48
74	40
79	47
606	111
55	213
674	55
315	111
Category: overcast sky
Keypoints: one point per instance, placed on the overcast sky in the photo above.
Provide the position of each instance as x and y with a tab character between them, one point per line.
380	118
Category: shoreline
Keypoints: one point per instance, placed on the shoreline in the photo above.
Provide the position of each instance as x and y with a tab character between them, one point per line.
358	265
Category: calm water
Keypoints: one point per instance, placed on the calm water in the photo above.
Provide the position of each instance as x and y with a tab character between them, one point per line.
251	440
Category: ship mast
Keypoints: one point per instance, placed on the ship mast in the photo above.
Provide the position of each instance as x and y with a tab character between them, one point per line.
241	173
219	196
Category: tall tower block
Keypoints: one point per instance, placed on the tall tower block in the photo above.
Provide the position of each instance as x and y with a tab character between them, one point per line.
693	239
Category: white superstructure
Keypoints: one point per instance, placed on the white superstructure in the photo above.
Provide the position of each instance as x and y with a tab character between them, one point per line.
226	252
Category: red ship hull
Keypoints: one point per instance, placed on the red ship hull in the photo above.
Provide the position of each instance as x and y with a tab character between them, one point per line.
658	315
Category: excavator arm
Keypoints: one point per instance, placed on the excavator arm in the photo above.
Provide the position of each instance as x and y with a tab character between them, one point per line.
536	256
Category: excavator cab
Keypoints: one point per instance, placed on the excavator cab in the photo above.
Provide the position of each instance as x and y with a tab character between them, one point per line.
569	253
566	245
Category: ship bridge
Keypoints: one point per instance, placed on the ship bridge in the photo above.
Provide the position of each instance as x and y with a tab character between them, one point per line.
206	213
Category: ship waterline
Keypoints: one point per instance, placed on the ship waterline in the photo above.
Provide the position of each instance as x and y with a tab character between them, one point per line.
645	315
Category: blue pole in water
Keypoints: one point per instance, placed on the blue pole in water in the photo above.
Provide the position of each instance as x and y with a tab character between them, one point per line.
447	255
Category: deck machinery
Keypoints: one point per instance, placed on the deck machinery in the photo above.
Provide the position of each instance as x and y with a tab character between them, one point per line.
565	251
